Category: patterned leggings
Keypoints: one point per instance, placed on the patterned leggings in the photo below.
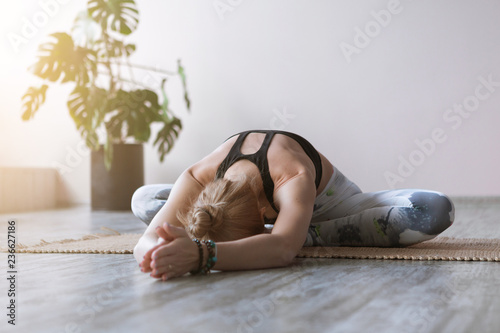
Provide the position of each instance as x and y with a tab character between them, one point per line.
344	216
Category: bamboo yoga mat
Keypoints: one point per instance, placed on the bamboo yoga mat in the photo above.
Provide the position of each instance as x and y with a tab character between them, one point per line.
439	248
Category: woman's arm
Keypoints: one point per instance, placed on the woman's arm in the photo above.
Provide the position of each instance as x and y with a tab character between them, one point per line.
296	201
256	252
185	189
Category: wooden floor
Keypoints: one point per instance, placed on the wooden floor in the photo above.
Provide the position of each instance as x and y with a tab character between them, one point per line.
108	293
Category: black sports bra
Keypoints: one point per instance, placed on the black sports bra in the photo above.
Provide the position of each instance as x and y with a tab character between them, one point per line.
259	158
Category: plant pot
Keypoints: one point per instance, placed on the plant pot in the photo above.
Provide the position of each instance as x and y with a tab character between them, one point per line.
113	189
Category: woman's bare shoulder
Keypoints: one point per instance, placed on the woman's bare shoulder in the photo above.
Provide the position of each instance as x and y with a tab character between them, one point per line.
204	170
287	159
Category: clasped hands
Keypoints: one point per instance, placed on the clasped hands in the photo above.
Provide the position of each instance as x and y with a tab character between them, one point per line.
174	255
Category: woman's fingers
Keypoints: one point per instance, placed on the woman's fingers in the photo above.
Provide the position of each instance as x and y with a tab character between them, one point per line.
165	267
162	251
169	275
147	255
168	260
162	257
146	261
163	234
174	232
163	238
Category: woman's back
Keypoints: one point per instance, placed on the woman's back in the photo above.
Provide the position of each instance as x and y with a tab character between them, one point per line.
286	159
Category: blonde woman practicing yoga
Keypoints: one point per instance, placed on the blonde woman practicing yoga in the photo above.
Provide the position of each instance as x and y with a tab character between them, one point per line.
261	196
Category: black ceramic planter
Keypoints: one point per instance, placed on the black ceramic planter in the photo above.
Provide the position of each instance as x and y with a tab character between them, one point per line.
113	189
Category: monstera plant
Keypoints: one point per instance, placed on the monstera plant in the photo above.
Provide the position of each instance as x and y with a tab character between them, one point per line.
108	104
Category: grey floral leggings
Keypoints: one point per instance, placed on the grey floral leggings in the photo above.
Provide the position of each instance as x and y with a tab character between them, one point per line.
345	216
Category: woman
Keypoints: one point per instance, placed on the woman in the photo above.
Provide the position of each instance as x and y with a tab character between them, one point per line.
260	178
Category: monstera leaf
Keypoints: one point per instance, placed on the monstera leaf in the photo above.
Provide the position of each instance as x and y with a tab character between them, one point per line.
167	135
32	100
172	125
87	107
113	48
118	15
63	58
133	112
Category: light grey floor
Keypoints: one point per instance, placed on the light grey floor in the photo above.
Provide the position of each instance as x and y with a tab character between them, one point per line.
108	293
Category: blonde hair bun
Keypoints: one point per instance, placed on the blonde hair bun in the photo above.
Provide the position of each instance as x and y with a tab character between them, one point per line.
225	210
204	218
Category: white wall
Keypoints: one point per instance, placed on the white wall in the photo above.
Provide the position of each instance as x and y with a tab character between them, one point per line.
262	58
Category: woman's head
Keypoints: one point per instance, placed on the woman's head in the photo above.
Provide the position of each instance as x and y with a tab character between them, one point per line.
225	210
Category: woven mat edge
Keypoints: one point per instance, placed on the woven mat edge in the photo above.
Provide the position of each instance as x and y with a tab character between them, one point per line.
400	257
320	252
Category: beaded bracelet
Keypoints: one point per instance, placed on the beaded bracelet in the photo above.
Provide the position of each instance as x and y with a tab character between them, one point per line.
200	262
212	258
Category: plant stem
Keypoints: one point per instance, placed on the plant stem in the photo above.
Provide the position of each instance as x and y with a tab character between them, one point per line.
119	78
162	71
107	63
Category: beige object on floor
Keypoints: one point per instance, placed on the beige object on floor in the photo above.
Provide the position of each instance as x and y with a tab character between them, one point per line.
29	189
439	248
109	243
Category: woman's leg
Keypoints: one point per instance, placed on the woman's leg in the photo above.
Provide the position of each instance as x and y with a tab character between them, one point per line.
148	200
385	218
